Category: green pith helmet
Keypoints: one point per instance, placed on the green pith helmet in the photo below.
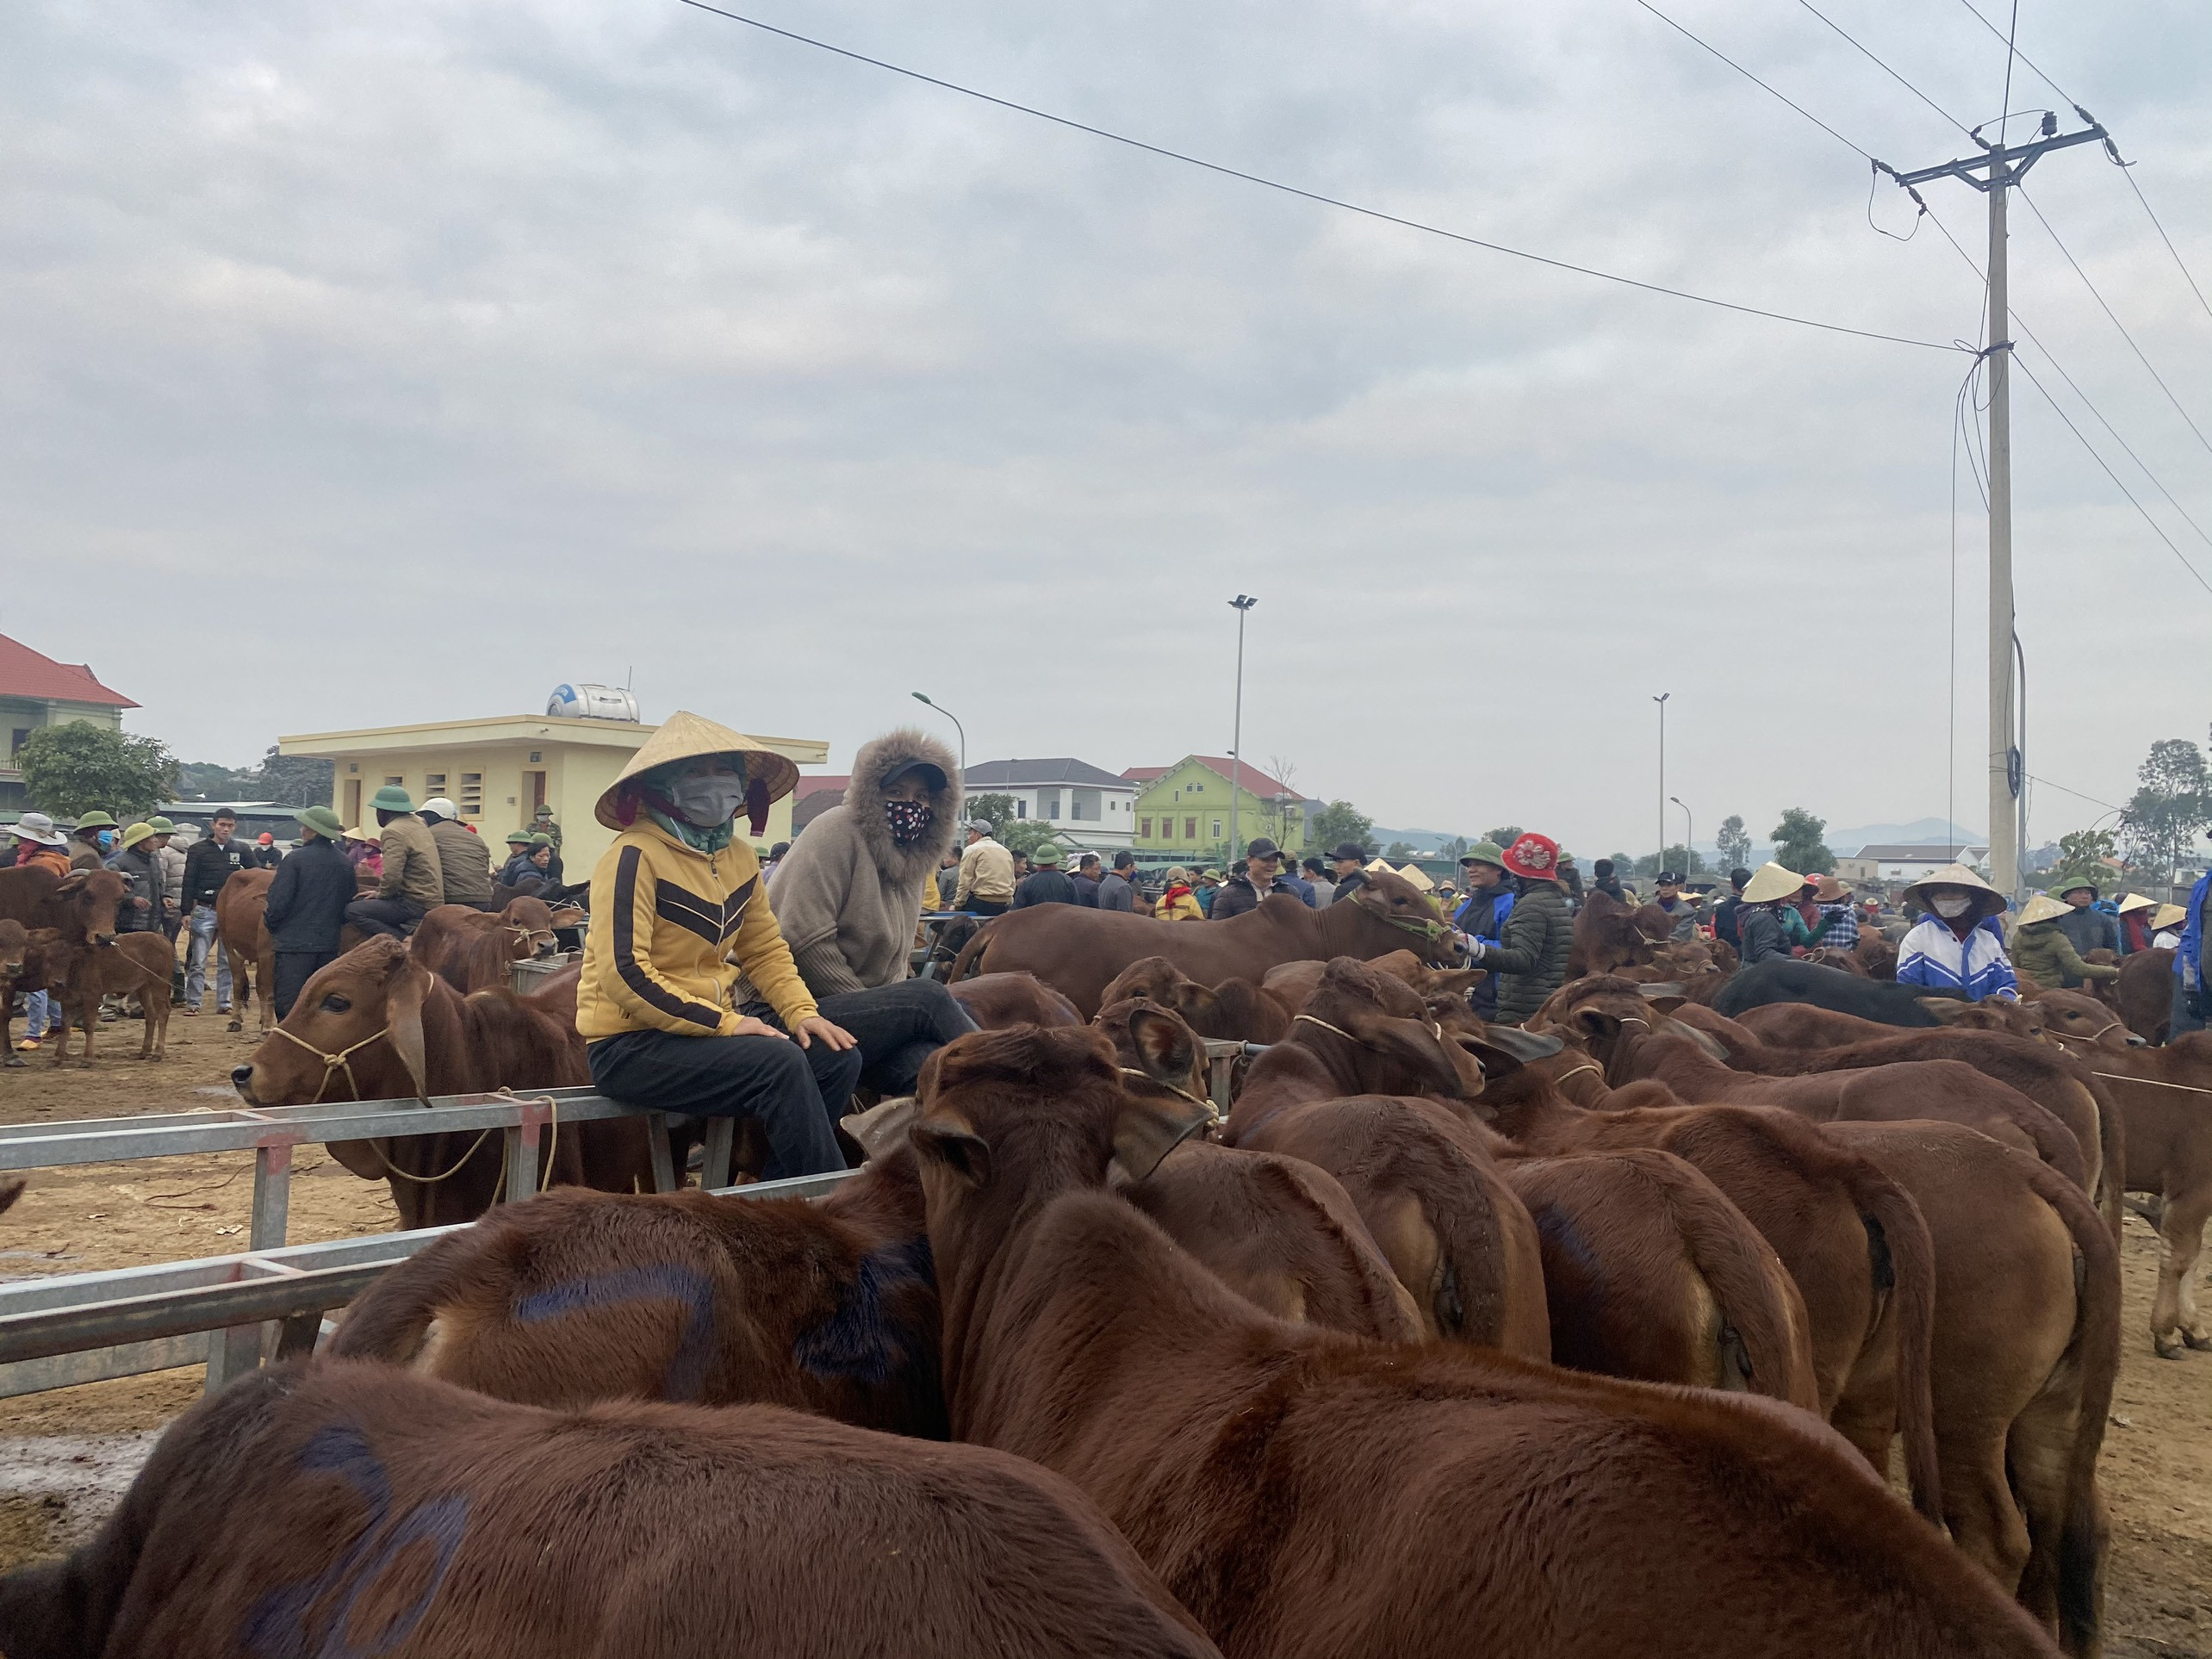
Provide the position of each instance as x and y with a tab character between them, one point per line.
1049	854
137	832
95	820
541	839
518	837
391	799
1488	852
324	822
162	826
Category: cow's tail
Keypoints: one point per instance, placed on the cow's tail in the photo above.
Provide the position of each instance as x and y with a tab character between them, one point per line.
1897	1237
391	1320
971	954
2112	1147
1753	1294
2094	1355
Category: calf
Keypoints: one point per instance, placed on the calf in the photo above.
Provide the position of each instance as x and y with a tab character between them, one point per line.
82	903
1235	1010
995	1001
242	926
1308	1493
138	964
1649	1272
470	950
2144	993
347	1509
580	1296
1778	980
376	1025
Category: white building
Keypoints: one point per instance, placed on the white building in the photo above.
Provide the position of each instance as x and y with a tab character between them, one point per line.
1906	862
1090	806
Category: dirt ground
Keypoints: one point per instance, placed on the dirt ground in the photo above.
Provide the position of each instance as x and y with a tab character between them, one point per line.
66	1455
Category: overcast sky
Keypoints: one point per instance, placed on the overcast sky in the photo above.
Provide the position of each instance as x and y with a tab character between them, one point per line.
364	366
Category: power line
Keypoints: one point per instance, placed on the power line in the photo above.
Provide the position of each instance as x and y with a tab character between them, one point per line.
1313	196
1754	79
2076	794
1884	68
2016	52
2128	173
2116	323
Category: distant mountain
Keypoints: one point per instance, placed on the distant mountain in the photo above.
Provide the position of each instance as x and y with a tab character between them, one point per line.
1421	840
1920	832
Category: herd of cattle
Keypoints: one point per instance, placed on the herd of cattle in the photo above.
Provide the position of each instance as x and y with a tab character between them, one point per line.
1591	1337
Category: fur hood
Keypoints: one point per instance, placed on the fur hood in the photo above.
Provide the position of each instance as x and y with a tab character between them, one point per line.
877	759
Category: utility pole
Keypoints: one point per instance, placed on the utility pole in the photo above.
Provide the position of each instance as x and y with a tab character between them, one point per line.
1242	604
1662	701
1995	171
1689	839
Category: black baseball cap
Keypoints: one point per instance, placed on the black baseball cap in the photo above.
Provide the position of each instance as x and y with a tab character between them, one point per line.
1670	878
1349	849
1261	847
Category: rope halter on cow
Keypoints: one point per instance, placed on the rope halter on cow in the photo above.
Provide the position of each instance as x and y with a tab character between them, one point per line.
341	1061
1213	1111
2069	1036
1314	1019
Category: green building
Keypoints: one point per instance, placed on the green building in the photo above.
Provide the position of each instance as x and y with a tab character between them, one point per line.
1182	810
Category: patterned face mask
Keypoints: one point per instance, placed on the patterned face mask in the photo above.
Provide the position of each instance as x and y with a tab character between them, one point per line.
909	821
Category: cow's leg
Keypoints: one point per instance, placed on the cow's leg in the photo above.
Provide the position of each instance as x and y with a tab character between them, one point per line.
2174	1319
1978	1504
2039	1451
7	1054
265	989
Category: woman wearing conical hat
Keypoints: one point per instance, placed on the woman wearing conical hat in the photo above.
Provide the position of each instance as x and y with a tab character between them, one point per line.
1951	949
678	912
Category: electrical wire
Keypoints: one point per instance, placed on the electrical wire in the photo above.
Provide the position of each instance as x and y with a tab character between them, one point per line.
1885	69
1754	79
2116	323
1312	195
2128	173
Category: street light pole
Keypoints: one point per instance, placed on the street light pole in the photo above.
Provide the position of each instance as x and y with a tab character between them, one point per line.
923	697
1689	838
1662	701
1242	604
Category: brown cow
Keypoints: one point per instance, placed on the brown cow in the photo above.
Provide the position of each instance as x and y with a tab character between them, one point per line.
470	950
1291	984
1607	936
2144	993
1853	1240
139	964
582	1296
81	905
376	1025
2026	1347
242	926
1649	1272
1235	1010
995	1001
1282	1233
1307	1495
15	942
346	1508
1078	952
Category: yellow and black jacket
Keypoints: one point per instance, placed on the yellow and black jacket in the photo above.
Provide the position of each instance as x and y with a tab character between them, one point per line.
671	930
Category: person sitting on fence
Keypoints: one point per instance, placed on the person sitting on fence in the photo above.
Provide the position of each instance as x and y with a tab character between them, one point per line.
679	913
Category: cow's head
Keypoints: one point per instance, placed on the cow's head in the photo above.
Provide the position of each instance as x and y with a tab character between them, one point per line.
1377	1037
355	1033
1156	1042
15	940
1388	897
530	923
87	900
2077	1021
1991	1013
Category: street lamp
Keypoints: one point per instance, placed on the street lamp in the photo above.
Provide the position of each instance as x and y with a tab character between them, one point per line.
1241	604
1662	701
923	697
1689	838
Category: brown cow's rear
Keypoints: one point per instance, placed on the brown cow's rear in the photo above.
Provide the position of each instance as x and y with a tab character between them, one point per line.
1305	1494
347	1509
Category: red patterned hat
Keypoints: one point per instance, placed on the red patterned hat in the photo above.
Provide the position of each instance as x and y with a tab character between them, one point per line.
1534	856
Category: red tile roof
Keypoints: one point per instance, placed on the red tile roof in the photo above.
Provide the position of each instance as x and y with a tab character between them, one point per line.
24	673
1144	774
814	783
1251	777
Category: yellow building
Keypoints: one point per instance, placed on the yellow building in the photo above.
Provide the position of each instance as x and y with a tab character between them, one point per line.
499	770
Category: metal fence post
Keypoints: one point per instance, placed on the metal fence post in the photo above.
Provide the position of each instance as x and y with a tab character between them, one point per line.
272	1191
665	1174
522	1153
714	1162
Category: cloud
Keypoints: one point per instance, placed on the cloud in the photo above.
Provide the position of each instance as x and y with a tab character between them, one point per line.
401	368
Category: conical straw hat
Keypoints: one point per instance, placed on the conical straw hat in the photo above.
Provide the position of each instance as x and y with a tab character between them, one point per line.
2169	916
2137	902
1771	881
2041	908
1987	900
686	736
1413	874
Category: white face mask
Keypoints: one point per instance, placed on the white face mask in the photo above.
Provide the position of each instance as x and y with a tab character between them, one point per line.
1952	908
708	801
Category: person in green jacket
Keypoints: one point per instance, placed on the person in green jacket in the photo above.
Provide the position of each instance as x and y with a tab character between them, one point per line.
2043	952
1529	957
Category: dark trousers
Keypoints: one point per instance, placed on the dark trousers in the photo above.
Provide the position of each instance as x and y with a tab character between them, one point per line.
389	917
897	1027
2181	1019
294	969
986	906
795	1092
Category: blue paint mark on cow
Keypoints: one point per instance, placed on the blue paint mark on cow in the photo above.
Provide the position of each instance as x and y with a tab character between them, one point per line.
1557	1230
687	1375
277	1624
861	1341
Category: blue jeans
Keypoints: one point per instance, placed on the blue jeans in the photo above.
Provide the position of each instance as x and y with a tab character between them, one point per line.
40	1015
203	923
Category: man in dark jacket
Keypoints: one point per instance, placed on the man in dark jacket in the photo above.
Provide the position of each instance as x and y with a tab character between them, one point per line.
1262	874
1490	896
139	864
1529	960
465	863
1724	913
306	904
1349	860
1086	881
1118	892
1046	884
213	860
2087	927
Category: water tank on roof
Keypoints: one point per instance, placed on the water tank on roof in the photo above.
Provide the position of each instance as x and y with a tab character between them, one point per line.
593	703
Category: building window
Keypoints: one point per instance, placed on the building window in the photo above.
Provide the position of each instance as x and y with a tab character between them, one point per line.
1143	829
395	780
471	801
1217	828
23	735
1048	805
433	783
1191	831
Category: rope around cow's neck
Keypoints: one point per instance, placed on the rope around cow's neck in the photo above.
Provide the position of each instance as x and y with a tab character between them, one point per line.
552	1147
341	1061
2153	1083
1213	1111
1315	1019
2068	1036
1577	1071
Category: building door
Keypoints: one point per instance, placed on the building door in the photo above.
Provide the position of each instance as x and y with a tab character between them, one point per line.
352	813
533	794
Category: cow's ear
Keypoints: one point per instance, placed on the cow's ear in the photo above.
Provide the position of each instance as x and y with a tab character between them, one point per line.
568	915
1946	1009
882	1126
1147	1130
946	1140
1194	1001
1165	1047
1413	1044
71	882
404	990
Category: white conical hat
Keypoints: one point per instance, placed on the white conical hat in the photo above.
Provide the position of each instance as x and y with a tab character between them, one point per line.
1771	881
1413	874
1987	899
2042	908
686	736
2137	902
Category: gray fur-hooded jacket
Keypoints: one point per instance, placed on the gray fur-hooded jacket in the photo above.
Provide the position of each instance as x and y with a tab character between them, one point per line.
846	897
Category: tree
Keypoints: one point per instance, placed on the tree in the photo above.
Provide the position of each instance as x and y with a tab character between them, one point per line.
77	767
2166	815
1399	850
293	780
1025	836
1734	842
203	780
1339	821
1454	848
1798	845
1505	835
2081	856
997	808
1678	858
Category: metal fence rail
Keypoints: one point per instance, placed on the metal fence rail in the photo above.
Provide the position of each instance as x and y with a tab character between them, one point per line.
231	1311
